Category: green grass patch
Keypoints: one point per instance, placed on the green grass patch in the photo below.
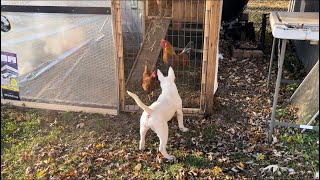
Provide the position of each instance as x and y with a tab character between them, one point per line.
282	113
19	134
209	133
174	168
196	162
292	87
297	143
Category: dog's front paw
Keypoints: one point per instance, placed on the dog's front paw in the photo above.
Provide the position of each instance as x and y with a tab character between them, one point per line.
184	129
172	158
141	147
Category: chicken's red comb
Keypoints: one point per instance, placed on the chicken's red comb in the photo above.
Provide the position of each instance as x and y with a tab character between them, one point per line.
163	42
154	74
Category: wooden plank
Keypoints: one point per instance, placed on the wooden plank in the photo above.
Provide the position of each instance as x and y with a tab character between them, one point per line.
215	12
150	50
205	56
188	11
147	7
115	41
307	18
157	17
144	18
59	107
186	111
117	29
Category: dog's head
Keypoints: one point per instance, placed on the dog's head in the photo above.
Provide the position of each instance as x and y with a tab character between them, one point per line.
167	83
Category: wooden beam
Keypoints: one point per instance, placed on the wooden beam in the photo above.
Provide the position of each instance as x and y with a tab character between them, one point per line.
212	29
59	107
158	17
205	56
117	30
147	7
144	18
150	49
186	111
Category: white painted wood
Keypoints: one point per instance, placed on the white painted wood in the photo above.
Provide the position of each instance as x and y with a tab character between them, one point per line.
310	20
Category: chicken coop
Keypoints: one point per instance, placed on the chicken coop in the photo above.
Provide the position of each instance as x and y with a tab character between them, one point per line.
183	34
84	56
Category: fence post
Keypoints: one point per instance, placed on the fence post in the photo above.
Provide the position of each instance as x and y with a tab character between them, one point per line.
117	29
212	29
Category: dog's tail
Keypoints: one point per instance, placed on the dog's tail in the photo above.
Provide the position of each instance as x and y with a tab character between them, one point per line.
140	103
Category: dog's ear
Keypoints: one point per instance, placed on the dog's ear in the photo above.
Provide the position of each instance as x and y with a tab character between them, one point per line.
171	74
160	75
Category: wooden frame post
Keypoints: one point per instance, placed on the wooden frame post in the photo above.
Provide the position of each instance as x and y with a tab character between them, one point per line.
117	29
144	13
210	51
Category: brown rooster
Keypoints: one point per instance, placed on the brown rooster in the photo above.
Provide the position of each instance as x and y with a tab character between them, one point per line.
149	81
170	58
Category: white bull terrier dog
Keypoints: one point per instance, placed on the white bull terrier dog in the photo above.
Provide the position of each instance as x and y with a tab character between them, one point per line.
157	115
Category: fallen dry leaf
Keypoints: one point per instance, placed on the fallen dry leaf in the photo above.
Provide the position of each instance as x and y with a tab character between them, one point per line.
99	145
138	167
80	125
234	170
19	118
155	166
199	153
30	177
100	159
28	170
217	170
260	157
135	175
49	160
251	148
223	159
240	166
274	168
41	173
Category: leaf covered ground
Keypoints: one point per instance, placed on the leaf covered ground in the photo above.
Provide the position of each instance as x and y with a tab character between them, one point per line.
231	144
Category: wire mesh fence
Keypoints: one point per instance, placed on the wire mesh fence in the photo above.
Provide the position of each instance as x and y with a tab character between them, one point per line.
156	35
64	58
143	25
257	9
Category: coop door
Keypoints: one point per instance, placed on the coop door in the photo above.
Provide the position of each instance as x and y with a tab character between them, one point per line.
64	58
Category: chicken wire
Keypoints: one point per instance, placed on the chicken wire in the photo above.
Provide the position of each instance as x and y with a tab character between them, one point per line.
187	24
63	58
131	31
256	8
306	97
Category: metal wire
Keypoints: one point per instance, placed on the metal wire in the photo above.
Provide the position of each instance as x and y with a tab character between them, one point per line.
188	27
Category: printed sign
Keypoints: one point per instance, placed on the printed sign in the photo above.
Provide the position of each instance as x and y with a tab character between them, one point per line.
5	24
9	76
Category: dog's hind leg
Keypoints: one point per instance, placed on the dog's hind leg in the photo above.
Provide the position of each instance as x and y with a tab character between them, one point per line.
180	121
162	133
143	132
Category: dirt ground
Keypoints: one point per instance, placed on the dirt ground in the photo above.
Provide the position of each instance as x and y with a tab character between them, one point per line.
231	144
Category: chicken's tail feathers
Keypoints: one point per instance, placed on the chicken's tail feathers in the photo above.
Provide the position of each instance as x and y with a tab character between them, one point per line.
188	47
140	103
